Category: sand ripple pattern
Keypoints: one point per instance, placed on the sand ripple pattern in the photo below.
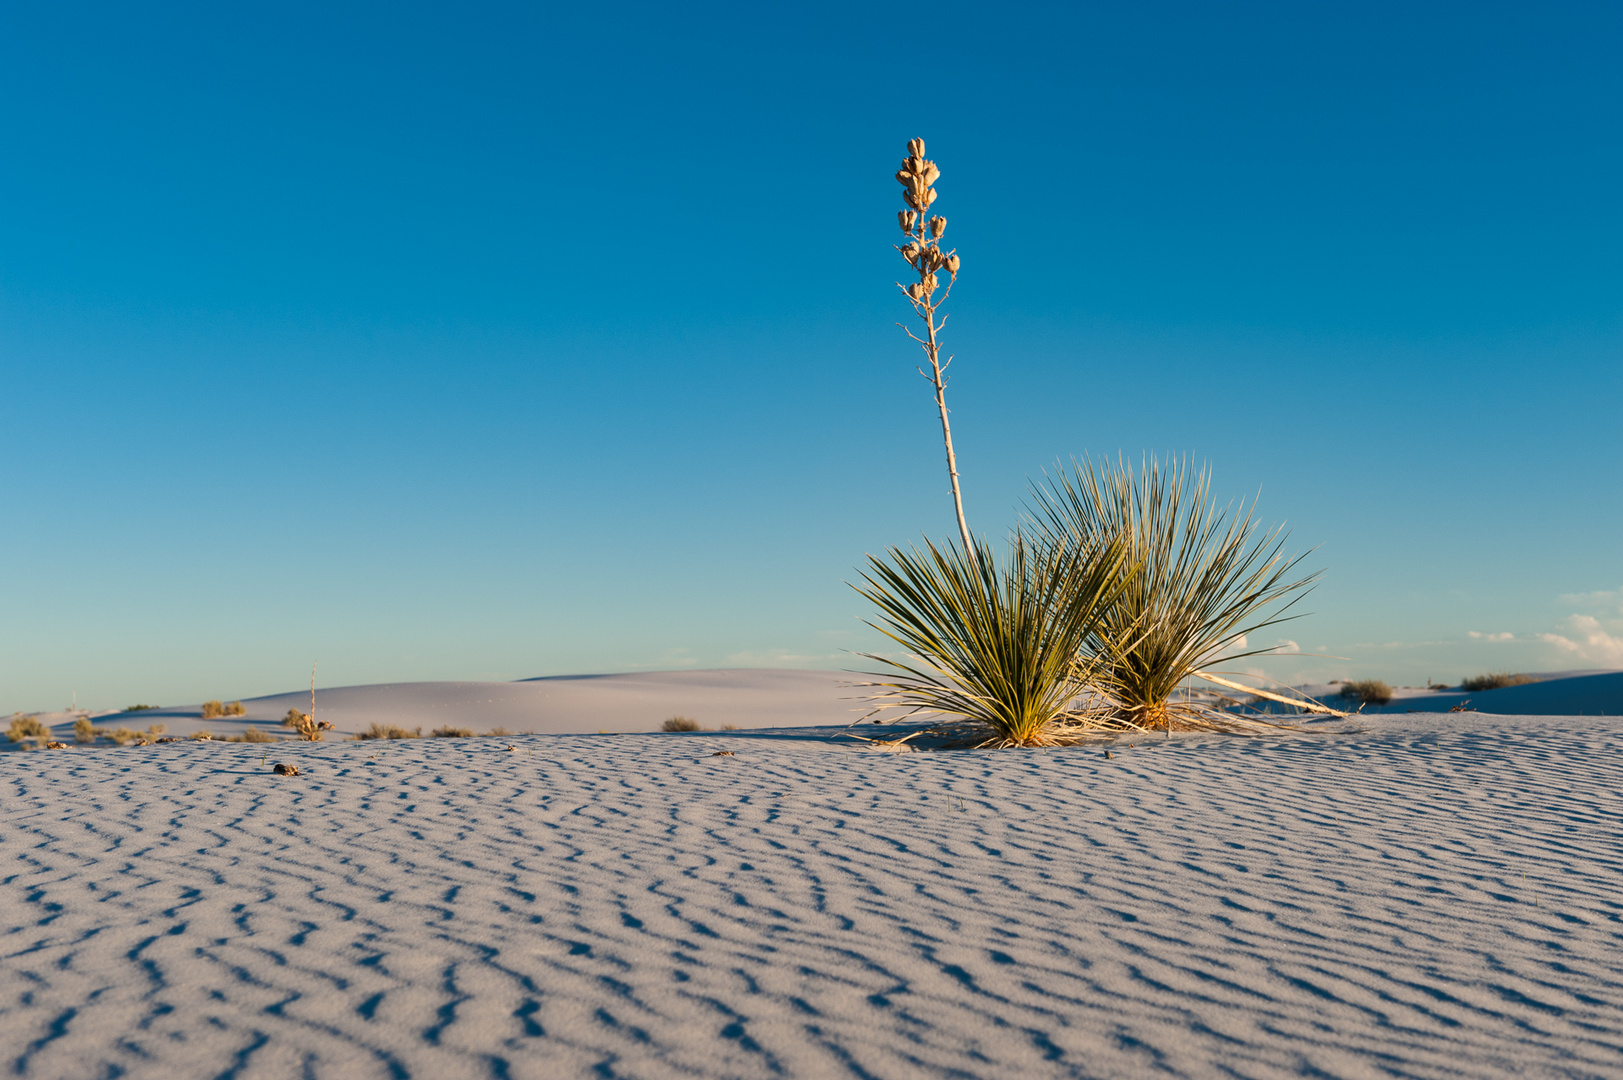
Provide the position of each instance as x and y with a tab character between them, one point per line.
1428	898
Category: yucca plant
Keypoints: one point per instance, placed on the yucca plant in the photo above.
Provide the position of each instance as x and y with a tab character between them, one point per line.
1197	580
1001	647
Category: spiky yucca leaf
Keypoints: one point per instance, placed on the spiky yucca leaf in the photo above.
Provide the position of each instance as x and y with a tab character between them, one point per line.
997	645
1203	579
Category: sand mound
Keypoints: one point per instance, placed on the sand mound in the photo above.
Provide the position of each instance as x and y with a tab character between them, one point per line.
567	704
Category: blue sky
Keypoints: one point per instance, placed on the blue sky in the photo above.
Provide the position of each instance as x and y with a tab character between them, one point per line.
488	341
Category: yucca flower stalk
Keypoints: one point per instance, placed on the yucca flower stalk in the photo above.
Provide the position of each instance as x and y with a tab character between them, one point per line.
1001	648
1199	580
931	264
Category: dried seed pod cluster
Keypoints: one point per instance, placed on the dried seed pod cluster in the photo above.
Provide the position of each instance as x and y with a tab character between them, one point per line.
923	248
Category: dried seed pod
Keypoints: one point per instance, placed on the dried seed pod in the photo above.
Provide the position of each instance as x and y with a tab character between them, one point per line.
930	173
910	251
915	147
916	291
906	219
930	284
938	225
952	265
927	198
910	199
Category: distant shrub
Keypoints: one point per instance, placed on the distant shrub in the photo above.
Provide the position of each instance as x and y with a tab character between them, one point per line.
236	708
1369	691
84	731
201	736
252	735
27	727
1495	681
138	708
213	710
498	731
452	733
729	727
679	723
157	729
388	731
123	736
305	725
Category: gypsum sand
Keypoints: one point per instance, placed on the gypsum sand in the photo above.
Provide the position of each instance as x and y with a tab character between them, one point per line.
1431	897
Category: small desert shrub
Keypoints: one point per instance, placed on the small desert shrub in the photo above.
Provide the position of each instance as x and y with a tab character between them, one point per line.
388	731
213	710
27	727
1368	691
138	708
157	729
83	730
452	733
1495	681
123	736
235	708
252	735
201	736
305	725
729	727
679	723
499	731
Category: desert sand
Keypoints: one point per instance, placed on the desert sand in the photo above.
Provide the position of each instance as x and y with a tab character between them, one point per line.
565	704
1404	895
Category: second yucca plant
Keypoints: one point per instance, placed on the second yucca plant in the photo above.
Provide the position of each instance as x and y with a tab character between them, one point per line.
1197	580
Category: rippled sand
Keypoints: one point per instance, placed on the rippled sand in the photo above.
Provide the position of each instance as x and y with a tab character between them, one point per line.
1433	896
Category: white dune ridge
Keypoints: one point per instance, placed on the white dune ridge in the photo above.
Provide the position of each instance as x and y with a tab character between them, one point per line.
1430	896
745	698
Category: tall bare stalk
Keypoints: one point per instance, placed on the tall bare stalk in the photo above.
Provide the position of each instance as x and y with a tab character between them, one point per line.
923	253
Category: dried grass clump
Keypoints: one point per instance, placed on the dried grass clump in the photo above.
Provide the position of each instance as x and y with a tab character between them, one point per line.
1196	581
27	729
1495	681
235	708
213	710
680	723
253	735
1367	691
305	726
84	732
388	731
123	736
999	648
449	732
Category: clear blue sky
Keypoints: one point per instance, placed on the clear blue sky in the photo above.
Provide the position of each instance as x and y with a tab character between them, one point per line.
487	341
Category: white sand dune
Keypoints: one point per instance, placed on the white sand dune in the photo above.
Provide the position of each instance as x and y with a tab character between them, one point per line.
567	704
1554	694
745	698
1413	896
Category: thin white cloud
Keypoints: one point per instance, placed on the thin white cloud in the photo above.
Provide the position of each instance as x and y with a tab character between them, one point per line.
1611	600
1590	640
1491	637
